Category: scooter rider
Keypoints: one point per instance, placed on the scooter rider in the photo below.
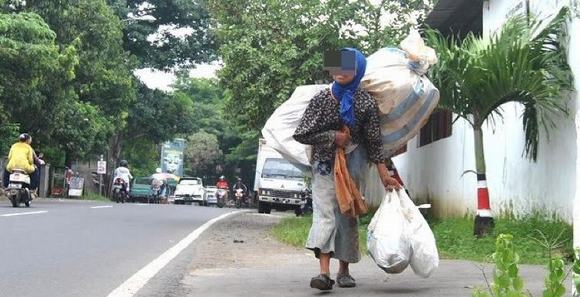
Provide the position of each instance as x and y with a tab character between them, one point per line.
123	172
22	156
222	183
159	180
240	185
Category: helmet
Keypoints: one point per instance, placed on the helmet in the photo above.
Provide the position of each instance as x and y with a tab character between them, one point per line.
124	163
158	170
239	179
24	137
222	177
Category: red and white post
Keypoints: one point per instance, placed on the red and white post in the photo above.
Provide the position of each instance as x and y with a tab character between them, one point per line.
483	220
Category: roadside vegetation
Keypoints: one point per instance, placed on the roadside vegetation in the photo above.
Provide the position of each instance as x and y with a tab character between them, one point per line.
95	197
536	237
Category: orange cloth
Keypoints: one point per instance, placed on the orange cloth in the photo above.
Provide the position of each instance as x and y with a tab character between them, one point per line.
349	198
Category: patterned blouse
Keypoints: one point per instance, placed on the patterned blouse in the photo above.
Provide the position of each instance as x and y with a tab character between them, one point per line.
321	121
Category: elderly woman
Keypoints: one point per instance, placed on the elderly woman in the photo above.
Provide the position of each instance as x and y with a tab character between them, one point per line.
334	235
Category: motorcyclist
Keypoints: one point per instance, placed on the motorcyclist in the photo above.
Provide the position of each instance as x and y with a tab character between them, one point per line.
240	185
22	156
123	173
158	179
222	183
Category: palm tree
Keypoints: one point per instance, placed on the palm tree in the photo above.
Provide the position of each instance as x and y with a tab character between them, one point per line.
524	62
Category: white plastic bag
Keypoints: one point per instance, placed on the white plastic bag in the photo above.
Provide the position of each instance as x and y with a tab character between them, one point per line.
414	45
398	235
425	258
280	127
387	241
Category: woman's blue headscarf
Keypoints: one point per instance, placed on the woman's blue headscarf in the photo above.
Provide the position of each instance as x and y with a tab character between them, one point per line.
345	94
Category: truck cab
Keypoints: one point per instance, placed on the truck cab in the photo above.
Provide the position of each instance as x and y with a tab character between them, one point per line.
279	183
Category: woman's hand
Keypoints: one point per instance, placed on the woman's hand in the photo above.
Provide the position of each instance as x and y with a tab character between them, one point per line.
390	183
342	138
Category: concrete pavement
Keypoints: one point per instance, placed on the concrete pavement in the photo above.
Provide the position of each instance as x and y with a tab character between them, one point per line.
262	267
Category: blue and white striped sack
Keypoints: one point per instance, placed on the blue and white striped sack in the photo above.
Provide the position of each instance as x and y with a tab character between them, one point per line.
405	96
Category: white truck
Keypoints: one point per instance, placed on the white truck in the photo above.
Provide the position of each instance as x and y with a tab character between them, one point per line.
279	184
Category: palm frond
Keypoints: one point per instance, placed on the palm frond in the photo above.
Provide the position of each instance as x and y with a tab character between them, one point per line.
524	62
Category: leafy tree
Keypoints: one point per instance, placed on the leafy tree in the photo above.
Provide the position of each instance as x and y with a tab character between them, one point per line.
203	153
35	76
271	47
180	30
238	146
143	156
520	64
8	135
155	117
103	75
159	116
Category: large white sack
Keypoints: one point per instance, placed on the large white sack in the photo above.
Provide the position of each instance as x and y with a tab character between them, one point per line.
387	241
279	129
425	258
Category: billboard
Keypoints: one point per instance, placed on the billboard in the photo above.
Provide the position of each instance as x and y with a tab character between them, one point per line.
172	156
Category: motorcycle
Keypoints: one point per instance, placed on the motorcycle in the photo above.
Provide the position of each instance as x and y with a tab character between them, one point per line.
119	190
240	197
19	188
306	205
222	197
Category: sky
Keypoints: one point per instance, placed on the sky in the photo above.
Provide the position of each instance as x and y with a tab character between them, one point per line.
162	80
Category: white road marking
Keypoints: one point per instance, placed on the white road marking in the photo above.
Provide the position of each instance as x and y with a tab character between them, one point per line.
23	213
103	206
265	215
131	286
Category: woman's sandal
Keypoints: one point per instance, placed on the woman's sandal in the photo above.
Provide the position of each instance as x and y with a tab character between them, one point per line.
322	282
345	281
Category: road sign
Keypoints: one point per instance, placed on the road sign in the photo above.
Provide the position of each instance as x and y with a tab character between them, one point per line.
102	167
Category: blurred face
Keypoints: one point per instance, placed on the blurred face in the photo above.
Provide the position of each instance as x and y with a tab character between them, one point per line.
29	141
343	79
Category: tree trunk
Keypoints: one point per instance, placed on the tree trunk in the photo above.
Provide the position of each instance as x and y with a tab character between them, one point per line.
68	159
113	159
483	221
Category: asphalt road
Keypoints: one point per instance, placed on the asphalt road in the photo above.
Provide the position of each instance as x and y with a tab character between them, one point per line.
79	248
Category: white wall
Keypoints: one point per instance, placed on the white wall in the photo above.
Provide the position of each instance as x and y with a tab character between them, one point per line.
515	184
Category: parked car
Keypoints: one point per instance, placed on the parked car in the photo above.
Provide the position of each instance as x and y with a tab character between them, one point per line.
210	194
190	190
140	189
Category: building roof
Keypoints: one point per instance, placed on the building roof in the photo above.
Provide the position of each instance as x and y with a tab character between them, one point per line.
457	16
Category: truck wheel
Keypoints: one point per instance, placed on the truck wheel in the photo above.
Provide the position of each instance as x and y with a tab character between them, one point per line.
298	211
264	207
260	207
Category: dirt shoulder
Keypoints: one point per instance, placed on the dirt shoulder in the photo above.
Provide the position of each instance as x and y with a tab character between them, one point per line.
243	241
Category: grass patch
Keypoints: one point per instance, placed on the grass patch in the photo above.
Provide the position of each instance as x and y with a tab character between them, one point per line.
455	238
94	197
294	231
